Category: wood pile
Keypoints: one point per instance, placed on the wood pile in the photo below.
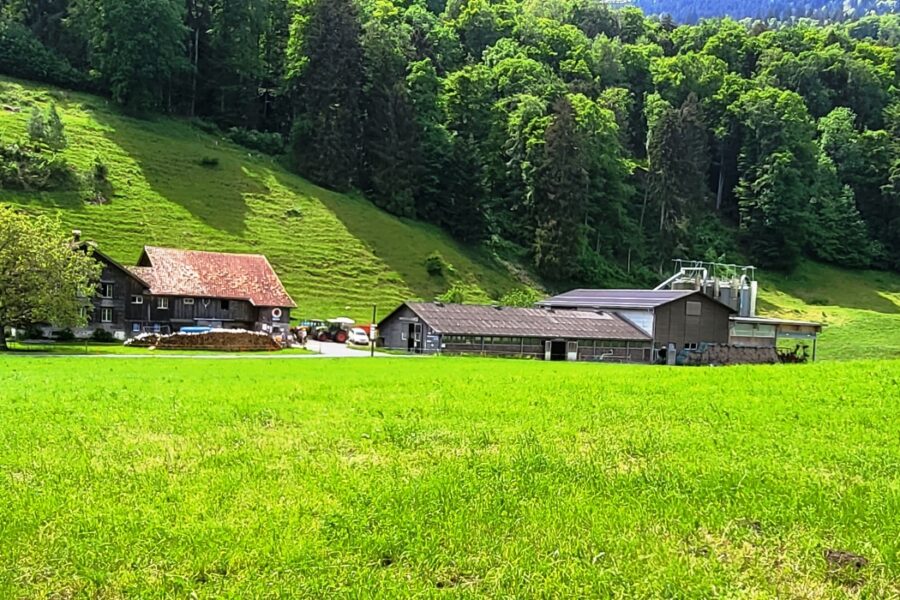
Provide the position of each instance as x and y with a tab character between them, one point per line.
218	339
724	354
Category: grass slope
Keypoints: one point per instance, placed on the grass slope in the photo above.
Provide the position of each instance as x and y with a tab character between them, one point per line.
335	253
861	309
445	478
338	254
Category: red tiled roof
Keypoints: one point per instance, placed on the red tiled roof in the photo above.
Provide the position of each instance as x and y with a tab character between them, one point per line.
212	275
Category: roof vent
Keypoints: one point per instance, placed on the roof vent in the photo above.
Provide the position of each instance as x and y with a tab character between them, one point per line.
438	303
496	307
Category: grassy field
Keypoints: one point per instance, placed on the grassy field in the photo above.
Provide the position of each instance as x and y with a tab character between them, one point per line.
445	477
336	254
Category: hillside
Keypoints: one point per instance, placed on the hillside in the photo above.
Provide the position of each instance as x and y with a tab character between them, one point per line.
335	253
860	308
338	254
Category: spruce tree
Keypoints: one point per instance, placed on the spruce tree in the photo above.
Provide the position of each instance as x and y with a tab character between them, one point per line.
326	78
560	194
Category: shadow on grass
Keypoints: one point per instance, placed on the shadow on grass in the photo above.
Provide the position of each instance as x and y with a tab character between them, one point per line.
403	244
821	285
187	168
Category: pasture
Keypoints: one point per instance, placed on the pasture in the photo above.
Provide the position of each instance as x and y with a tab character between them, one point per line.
446	478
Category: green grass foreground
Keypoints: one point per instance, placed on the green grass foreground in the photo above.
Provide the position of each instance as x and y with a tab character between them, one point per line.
445	477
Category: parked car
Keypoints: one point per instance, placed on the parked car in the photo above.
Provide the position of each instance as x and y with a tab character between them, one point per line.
358	336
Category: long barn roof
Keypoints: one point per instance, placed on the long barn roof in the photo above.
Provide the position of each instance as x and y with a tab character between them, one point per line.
466	319
616	299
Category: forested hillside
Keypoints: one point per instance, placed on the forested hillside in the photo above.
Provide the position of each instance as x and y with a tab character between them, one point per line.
593	144
822	11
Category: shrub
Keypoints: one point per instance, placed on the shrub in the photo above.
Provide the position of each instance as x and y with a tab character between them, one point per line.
64	335
23	55
210	162
206	126
437	266
265	142
28	168
522	298
32	332
102	336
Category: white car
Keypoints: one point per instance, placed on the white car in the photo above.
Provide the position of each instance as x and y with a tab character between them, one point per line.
358	337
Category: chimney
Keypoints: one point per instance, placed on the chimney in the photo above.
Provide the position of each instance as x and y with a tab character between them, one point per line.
76	235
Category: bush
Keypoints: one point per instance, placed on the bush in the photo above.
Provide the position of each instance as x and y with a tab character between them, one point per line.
267	143
522	298
32	332
206	126
29	168
437	266
210	162
64	335
102	336
23	55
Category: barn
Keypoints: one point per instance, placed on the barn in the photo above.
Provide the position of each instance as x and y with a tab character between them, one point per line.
539	333
675	320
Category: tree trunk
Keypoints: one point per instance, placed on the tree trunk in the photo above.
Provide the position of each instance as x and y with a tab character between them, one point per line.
3	346
721	190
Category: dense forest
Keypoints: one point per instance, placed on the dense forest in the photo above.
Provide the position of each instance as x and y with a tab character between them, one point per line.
783	11
594	144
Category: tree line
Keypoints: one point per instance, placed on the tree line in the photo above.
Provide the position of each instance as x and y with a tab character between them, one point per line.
596	144
783	11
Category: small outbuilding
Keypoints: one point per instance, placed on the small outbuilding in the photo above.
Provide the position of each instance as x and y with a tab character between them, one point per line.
540	333
675	320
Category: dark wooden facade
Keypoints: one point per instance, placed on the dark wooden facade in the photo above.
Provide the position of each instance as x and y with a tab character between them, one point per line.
405	330
125	307
691	321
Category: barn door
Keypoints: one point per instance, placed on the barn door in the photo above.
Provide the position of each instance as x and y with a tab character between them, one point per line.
572	351
548	351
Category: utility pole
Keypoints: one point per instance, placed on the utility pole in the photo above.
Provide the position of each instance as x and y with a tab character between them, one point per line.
372	329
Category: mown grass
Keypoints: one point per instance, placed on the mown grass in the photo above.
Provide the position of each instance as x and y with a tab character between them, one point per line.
861	310
336	254
445	477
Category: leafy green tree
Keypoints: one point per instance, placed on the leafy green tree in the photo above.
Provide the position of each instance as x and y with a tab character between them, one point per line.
560	195
679	161
137	46
838	233
38	131
326	76
389	133
777	166
42	279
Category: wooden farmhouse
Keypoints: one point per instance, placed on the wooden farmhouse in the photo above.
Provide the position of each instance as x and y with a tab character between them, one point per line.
172	289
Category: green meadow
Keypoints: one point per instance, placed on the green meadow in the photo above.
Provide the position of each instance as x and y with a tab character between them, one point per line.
156	478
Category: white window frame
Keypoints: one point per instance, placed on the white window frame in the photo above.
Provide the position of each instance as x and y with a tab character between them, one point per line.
162	303
103	288
103	313
137	299
188	301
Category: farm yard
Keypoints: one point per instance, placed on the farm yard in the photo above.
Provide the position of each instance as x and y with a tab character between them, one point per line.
456	477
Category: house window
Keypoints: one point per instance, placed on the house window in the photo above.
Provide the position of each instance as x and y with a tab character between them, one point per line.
106	290
163	304
188	301
106	315
137	299
226	305
693	309
135	327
